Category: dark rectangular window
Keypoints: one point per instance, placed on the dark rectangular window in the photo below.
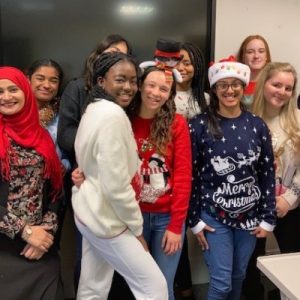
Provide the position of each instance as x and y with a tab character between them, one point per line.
68	30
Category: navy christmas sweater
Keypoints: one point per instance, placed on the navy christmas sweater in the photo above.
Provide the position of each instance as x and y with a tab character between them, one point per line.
233	177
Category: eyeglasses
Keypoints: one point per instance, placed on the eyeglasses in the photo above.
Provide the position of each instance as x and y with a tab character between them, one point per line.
235	86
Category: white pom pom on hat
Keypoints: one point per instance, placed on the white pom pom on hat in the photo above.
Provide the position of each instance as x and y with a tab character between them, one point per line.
226	68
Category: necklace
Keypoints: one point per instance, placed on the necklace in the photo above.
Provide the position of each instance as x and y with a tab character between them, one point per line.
46	115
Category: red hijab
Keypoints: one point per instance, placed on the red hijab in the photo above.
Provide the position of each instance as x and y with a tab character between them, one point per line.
25	129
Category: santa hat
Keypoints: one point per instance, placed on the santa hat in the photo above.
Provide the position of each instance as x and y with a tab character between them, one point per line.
226	68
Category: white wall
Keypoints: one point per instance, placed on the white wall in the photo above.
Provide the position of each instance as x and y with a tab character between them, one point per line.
276	20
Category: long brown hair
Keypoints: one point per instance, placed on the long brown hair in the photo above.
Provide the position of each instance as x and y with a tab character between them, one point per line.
246	41
161	128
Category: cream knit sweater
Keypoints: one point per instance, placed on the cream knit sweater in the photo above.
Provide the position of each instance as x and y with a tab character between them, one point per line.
287	163
107	154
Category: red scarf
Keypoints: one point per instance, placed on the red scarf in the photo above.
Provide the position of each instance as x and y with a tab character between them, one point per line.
25	129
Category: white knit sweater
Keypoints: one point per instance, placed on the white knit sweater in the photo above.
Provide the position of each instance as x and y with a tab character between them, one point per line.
287	164
107	154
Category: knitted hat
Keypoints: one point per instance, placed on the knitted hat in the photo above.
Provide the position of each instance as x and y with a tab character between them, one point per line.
226	68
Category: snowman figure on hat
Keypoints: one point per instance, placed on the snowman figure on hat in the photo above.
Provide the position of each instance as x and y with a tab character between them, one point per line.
166	57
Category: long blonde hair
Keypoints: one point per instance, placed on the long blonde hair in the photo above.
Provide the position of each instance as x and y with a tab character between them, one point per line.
287	115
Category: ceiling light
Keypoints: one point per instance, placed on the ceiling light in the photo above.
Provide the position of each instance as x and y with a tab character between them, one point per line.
136	9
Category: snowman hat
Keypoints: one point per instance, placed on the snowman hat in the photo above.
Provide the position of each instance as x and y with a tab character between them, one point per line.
167	48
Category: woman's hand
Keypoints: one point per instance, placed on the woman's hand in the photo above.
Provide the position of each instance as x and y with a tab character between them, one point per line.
78	177
282	206
32	253
143	242
202	239
259	232
171	242
39	237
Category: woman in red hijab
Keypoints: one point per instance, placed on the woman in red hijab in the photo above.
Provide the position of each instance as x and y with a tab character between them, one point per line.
30	184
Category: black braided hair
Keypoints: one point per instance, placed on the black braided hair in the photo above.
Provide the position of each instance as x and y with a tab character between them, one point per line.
198	62
101	67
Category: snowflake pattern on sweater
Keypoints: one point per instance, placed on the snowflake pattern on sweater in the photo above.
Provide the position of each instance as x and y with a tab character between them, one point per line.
233	177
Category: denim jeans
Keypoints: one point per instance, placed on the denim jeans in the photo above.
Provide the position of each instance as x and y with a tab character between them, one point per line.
155	225
227	258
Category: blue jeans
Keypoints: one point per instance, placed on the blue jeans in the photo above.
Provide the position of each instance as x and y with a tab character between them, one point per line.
155	225
227	258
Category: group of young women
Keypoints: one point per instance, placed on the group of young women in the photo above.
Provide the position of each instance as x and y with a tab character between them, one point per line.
150	153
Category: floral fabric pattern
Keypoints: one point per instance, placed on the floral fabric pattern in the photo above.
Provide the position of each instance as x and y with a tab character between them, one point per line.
24	205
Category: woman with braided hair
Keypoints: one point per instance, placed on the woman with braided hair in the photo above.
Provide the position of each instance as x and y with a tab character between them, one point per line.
190	100
77	91
105	207
72	105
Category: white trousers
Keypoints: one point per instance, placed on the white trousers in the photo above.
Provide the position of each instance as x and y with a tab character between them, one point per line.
125	254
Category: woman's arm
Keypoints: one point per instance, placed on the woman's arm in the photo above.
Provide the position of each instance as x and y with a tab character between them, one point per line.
288	192
195	223
197	226
181	174
70	111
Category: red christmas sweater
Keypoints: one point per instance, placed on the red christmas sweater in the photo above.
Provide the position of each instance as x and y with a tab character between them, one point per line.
166	180
250	88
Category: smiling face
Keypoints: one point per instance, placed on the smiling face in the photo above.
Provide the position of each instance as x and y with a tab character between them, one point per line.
186	68
278	90
120	82
12	98
45	83
155	91
229	92
255	55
